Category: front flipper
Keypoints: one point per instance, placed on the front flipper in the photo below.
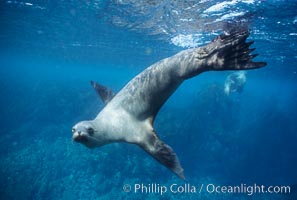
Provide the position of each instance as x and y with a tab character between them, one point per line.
163	153
105	93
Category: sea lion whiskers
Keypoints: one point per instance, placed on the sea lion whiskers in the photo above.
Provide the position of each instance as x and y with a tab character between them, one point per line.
93	138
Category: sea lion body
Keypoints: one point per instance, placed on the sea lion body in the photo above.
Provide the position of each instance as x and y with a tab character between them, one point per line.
129	115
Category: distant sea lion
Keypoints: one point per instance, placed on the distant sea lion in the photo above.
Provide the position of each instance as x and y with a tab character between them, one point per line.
129	115
235	82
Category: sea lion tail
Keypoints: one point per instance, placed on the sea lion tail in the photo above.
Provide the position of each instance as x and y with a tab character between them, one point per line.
226	52
163	153
231	52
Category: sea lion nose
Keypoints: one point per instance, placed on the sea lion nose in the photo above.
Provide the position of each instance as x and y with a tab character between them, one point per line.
76	134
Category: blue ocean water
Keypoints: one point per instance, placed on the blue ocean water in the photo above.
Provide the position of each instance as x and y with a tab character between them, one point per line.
49	52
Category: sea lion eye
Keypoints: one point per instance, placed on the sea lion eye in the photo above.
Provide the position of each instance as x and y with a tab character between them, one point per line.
90	131
73	130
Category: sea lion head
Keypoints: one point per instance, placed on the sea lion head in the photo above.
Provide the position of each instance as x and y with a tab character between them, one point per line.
83	132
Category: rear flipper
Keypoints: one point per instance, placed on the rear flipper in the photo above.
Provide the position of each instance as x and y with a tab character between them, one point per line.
226	52
230	52
163	153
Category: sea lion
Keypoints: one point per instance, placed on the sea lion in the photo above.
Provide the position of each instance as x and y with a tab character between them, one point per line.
235	82
129	115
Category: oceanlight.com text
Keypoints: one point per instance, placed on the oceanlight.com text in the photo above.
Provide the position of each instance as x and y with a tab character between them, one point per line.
155	188
248	189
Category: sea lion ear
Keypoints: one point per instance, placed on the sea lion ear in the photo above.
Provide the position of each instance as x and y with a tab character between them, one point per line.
105	93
